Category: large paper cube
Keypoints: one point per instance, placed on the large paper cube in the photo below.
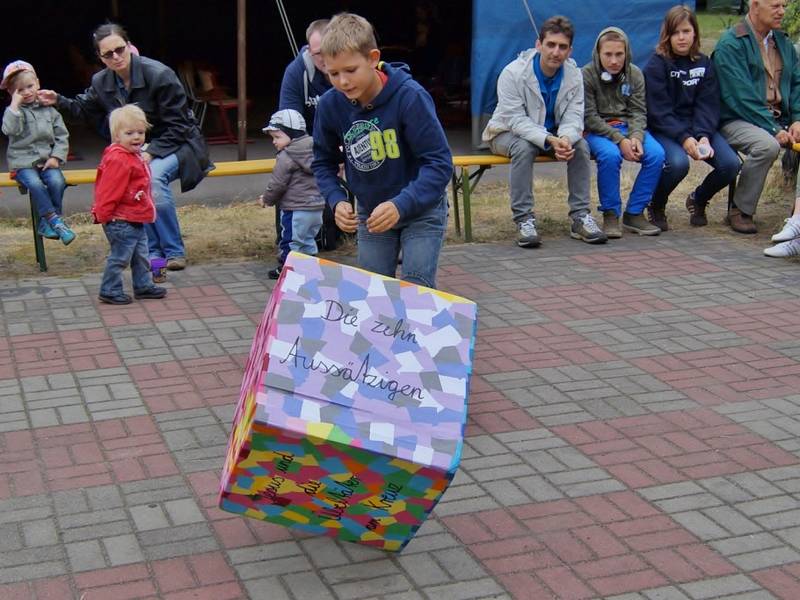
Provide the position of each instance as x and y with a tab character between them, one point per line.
351	414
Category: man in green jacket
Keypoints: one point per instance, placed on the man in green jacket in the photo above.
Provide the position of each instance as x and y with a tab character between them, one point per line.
759	79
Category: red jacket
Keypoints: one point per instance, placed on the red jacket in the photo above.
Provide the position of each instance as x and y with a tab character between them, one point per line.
122	188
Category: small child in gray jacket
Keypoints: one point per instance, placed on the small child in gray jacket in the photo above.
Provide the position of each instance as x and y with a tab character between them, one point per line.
292	187
37	148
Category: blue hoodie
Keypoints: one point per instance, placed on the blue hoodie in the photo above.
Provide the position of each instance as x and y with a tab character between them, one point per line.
395	147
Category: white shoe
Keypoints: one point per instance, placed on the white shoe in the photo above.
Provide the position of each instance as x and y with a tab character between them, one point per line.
784	249
790	231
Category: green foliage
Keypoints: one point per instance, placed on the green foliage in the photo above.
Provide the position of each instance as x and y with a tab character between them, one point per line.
791	22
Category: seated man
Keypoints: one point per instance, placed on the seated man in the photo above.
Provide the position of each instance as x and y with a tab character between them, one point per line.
305	80
759	80
540	110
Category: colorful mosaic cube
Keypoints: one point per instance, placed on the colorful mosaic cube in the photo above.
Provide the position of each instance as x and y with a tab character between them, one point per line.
352	409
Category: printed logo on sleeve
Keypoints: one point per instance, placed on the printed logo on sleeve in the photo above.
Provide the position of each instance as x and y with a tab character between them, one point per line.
367	147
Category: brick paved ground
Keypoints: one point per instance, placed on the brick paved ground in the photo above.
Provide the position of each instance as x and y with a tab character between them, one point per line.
633	434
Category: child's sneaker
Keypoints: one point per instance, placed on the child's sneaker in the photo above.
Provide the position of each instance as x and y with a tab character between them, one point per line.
120	299
611	225
274	273
784	249
527	236
697	211
65	233
44	230
638	224
790	231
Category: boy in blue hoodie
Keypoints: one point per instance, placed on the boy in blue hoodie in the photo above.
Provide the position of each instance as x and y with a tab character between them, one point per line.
397	161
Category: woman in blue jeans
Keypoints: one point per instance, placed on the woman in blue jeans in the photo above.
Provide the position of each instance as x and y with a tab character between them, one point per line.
683	115
176	148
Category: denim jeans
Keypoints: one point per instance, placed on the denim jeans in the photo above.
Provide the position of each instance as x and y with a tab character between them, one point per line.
128	243
609	162
45	187
520	176
164	236
420	237
298	230
725	163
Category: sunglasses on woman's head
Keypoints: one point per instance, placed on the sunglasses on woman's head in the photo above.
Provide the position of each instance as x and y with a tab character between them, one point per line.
110	54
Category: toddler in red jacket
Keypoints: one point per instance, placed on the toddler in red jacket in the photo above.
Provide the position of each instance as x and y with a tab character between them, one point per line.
123	203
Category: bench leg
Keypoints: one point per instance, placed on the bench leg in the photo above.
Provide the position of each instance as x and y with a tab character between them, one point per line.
456	184
38	243
466	191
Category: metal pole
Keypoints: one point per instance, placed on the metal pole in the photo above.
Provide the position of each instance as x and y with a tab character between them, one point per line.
241	76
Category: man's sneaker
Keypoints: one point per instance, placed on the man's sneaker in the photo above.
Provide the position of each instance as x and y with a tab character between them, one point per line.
585	228
274	273
657	215
697	211
152	293
528	237
65	233
638	224
784	249
44	230
611	225
790	231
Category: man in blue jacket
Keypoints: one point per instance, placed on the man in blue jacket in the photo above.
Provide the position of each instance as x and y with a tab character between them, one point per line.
305	80
759	80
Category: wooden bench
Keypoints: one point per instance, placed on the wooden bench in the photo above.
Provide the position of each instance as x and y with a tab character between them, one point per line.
82	176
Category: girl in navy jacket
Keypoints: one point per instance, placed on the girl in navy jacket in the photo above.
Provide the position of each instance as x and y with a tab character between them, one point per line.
683	115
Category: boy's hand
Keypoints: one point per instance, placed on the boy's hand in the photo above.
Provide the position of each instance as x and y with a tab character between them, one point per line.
47	97
261	202
345	218
783	137
147	157
51	163
704	149
562	148
383	217
16	100
690	146
626	147
636	147
794	131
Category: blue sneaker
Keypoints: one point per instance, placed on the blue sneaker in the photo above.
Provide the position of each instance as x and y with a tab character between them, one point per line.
44	230
65	233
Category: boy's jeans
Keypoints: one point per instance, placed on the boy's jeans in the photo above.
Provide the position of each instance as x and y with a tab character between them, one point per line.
298	230
164	236
609	161
420	237
45	187
128	243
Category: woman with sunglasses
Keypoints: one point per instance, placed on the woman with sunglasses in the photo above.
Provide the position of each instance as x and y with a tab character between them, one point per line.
176	148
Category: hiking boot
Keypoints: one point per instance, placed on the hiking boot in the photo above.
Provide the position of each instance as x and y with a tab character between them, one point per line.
740	222
790	231
697	211
657	215
176	263
638	224
528	236
120	299
274	273
60	228
611	225
44	230
151	293
585	228
784	249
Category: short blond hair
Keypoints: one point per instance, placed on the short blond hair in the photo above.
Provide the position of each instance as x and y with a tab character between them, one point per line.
348	33
129	114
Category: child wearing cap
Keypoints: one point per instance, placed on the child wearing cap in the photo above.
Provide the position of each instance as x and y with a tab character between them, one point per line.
37	147
292	187
123	203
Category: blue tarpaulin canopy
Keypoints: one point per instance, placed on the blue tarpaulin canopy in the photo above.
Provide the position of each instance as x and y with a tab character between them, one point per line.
501	29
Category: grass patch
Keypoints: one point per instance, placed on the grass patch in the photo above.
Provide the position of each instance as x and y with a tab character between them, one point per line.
244	231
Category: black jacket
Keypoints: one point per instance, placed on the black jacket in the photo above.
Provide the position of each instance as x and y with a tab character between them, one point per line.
157	91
